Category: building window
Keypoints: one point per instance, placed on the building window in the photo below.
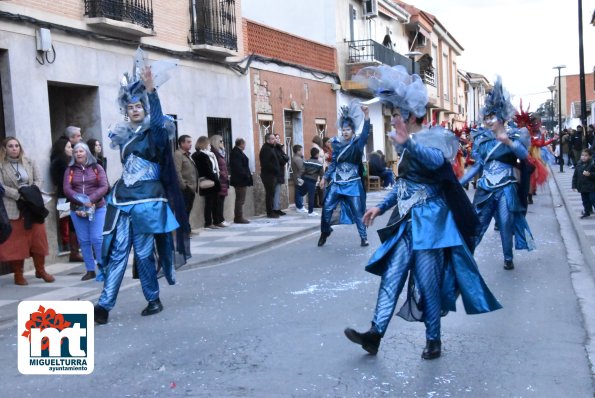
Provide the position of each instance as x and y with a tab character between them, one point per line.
321	127
265	126
222	127
435	66
445	79
138	12
213	23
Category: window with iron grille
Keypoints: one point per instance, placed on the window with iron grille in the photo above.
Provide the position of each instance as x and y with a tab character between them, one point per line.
222	127
213	22
138	12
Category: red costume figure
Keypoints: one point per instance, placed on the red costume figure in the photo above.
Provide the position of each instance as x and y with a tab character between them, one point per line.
540	174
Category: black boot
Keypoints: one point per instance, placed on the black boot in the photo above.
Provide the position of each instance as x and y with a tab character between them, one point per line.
433	349
154	307
101	315
365	242
370	340
322	239
508	265
530	199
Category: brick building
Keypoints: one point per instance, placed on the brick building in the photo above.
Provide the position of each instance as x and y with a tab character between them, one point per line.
71	74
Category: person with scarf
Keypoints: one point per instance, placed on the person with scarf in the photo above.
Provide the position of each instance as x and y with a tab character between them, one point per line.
429	237
497	150
141	204
208	170
343	179
218	148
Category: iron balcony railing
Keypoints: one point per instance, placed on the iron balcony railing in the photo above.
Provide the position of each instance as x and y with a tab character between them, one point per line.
137	12
213	23
371	51
429	78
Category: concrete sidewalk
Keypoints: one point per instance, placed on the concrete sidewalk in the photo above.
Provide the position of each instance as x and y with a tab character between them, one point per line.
584	228
207	247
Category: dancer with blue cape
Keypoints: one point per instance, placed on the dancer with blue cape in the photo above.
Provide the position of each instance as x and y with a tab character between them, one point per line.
430	234
143	201
343	179
498	149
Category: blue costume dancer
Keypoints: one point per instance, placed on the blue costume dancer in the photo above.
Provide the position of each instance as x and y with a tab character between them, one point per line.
498	192
343	177
139	212
428	235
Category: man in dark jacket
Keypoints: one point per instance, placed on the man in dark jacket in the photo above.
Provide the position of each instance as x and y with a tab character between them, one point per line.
241	178
270	169
283	159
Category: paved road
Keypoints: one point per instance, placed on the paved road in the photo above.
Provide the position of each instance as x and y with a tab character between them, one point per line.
269	324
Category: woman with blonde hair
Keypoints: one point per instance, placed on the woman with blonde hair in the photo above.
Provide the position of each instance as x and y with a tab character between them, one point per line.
218	148
21	180
208	170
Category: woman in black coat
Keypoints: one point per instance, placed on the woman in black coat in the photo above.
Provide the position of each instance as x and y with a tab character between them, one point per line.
207	166
241	178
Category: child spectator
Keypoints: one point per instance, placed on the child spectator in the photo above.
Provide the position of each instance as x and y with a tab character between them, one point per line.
583	181
313	170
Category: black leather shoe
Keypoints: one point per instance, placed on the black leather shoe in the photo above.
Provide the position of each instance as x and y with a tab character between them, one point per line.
322	239
153	308
101	315
88	275
370	340
508	265
280	212
365	242
433	349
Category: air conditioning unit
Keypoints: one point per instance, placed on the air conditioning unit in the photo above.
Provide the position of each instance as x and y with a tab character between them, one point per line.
370	9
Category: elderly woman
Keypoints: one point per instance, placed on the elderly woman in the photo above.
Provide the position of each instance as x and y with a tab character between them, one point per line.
218	148
208	170
85	185
21	179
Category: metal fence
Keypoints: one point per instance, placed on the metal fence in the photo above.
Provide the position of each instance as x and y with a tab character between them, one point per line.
214	23
138	12
371	51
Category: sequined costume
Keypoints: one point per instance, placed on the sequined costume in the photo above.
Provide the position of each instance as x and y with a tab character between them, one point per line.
138	211
497	192
425	240
345	185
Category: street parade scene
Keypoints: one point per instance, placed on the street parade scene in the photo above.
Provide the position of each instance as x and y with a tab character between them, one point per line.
332	198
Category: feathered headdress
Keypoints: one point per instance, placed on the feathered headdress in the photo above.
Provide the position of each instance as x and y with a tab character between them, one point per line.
350	115
394	86
497	103
132	88
523	118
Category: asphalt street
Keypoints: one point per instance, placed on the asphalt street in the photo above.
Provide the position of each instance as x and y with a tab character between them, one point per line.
269	323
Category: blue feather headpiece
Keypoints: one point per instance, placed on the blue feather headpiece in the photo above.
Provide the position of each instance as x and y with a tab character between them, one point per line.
497	103
395	87
350	115
132	88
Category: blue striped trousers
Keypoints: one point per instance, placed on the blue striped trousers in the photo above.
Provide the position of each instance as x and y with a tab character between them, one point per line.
124	240
427	269
496	206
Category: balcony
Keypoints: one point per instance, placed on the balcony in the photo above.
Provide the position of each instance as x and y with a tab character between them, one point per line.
213	27
371	52
133	17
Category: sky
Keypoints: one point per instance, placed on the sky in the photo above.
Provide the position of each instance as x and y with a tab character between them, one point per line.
520	40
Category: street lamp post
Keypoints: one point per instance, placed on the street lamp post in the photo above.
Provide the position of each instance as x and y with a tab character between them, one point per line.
559	67
552	112
412	55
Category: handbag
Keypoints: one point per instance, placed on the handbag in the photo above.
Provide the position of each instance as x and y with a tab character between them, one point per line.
205	183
